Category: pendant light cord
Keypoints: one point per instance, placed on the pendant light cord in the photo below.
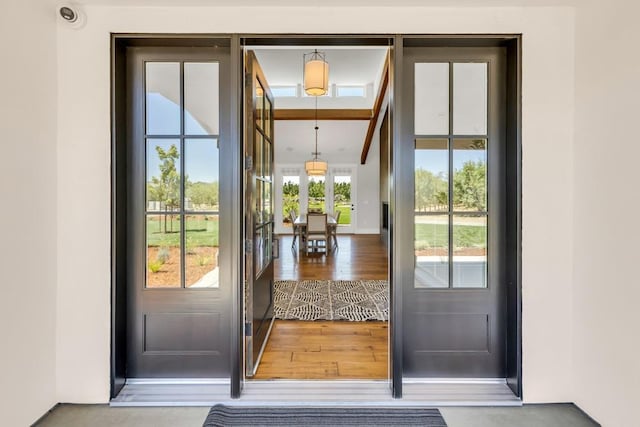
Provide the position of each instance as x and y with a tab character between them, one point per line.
315	154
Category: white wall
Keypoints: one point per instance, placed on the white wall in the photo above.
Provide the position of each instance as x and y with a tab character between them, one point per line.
607	200
28	212
83	198
368	190
340	144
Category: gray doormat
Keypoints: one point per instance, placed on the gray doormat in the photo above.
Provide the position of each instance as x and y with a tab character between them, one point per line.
221	415
354	300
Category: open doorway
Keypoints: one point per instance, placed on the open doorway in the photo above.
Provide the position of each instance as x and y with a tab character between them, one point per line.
330	302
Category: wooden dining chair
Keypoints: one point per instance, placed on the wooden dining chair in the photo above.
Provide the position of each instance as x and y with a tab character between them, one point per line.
316	233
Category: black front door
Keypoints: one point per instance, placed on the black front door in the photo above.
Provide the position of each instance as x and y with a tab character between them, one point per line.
178	315
259	222
453	139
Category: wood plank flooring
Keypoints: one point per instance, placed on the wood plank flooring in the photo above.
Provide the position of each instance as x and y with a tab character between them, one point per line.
323	350
358	256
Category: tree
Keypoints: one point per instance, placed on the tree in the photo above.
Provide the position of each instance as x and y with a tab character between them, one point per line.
430	190
291	198
341	192
316	189
166	188
203	193
469	185
316	194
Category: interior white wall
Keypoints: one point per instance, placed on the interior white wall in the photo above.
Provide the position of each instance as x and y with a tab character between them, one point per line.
28	214
607	199
368	191
345	140
83	165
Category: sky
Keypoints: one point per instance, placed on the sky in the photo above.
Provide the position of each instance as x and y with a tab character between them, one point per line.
201	161
201	157
436	161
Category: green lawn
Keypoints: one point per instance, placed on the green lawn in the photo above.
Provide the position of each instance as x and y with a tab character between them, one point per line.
204	232
345	213
201	231
437	236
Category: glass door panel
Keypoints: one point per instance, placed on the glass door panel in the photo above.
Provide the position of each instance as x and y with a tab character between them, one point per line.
451	249
164	254
290	198
431	251
431	106
316	194
201	98
202	208
470	175
470	98
469	251
342	203
162	98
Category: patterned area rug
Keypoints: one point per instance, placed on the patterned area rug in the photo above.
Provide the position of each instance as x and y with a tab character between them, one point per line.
354	300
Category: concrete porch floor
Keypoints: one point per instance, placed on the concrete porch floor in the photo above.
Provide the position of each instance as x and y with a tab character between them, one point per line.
552	415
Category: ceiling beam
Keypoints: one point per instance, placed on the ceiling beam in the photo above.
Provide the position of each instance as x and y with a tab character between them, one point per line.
377	106
323	114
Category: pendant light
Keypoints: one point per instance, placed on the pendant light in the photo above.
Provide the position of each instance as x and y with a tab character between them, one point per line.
315	166
316	73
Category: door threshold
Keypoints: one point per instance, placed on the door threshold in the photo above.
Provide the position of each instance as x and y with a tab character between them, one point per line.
346	393
183	381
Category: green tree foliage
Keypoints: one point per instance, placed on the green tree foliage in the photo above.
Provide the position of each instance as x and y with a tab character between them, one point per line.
290	189
316	195
341	192
166	187
431	190
202	193
291	199
469	186
316	189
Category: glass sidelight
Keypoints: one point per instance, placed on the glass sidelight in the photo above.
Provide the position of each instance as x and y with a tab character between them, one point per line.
450	175
182	174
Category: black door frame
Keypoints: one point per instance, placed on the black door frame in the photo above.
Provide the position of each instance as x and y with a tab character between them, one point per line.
399	257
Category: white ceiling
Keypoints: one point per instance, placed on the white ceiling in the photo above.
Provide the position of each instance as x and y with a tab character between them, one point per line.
338	141
347	66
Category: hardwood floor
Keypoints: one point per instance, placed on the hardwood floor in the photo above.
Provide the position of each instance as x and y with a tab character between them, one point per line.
358	256
324	350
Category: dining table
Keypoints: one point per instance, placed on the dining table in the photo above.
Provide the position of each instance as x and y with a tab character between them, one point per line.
301	223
